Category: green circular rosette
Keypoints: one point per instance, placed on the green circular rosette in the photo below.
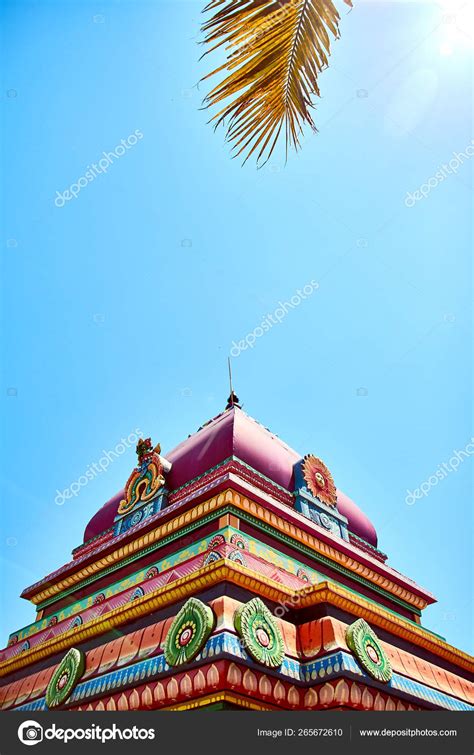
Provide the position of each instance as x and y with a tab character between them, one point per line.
188	633
260	632
363	642
65	678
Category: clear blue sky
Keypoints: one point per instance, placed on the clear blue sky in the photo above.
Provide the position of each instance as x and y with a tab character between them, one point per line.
120	308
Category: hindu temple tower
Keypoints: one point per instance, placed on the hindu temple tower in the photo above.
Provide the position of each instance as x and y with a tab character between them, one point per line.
230	573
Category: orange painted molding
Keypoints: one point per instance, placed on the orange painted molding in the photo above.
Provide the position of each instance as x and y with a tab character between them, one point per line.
225	570
230	497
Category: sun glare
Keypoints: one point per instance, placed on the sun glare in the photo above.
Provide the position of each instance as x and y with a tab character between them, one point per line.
457	31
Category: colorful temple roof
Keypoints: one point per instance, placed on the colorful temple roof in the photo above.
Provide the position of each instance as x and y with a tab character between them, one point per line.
233	434
230	573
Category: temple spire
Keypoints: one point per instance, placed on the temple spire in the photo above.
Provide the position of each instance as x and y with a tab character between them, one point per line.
233	399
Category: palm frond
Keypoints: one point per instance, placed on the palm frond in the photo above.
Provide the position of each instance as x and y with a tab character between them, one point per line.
275	51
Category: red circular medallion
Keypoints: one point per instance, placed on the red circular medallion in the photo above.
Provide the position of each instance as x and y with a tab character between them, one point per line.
262	637
372	653
62	681
185	636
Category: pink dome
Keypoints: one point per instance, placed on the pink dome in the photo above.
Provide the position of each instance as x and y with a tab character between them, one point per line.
359	524
234	433
104	518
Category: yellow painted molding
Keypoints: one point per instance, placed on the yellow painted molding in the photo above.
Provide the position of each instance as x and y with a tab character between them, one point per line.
219	697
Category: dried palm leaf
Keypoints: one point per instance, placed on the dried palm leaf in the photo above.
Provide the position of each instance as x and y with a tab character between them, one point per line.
275	52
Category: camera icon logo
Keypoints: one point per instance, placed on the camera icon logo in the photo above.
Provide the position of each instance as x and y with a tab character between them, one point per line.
30	733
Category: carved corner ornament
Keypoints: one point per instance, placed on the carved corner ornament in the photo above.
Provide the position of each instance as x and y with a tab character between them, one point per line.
146	479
